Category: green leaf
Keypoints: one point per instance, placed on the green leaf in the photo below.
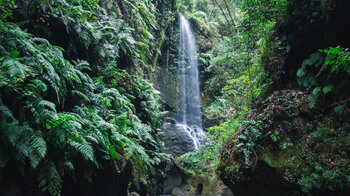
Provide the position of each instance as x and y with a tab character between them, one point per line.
85	149
49	179
15	67
38	146
327	89
15	54
7	112
340	108
314	97
301	72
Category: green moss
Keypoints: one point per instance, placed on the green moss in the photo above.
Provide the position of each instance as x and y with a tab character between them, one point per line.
285	158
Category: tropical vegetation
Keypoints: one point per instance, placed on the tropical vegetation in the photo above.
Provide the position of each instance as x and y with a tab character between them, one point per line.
86	85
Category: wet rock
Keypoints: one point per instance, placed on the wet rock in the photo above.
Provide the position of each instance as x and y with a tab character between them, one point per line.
166	84
176	141
174	178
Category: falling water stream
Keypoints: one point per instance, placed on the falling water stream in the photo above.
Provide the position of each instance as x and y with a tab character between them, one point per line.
190	113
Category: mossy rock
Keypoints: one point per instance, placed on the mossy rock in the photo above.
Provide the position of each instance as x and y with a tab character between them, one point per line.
199	180
276	156
297	150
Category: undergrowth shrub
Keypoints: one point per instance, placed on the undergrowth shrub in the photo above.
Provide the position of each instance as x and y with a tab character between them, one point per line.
327	75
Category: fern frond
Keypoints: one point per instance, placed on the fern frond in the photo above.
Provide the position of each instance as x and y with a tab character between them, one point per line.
84	148
135	150
48	104
39	41
69	165
144	133
38	150
49	179
5	111
42	110
81	65
15	67
37	86
26	142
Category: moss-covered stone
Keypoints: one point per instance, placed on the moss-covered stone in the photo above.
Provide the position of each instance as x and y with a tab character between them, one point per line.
200	179
293	150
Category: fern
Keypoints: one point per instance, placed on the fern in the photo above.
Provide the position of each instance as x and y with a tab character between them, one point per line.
49	179
37	86
144	133
314	96
305	79
69	165
42	110
28	143
5	111
84	148
338	58
38	152
316	74
58	110
327	89
15	67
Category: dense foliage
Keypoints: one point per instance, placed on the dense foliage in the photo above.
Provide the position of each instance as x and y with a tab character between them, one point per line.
260	47
68	111
77	108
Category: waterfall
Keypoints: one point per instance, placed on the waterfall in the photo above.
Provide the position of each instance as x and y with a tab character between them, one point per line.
190	114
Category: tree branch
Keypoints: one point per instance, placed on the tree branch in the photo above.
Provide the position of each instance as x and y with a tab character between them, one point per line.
222	10
229	13
340	102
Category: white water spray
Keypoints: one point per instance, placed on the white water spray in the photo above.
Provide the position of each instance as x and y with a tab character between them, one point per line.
190	111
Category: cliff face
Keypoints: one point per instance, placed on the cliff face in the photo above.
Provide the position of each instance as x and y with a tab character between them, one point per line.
166	79
166	82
